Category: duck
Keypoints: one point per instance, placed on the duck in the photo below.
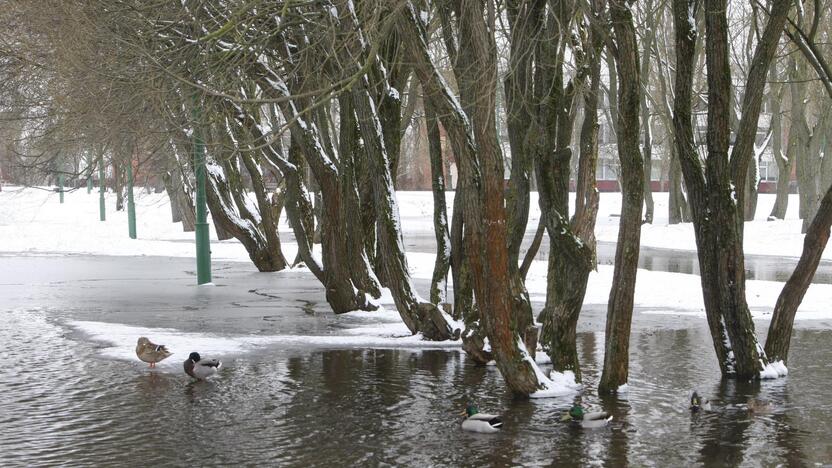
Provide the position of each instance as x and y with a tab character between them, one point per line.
199	368
150	352
757	406
698	403
480	422
587	420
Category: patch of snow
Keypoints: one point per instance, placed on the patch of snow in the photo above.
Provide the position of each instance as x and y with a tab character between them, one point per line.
774	370
122	341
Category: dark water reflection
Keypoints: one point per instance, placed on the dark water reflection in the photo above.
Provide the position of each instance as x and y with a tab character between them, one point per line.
61	403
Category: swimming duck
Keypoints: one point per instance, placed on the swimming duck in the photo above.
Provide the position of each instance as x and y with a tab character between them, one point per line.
480	422
589	420
150	352
199	368
698	403
757	406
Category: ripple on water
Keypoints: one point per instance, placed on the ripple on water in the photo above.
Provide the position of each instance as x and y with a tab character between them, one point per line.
65	404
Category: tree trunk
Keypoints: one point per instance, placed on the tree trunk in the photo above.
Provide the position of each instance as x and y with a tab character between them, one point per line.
298	207
353	154
268	223
176	214
343	292
620	308
572	251
524	20
676	198
118	186
647	153
439	280
784	163
782	320
716	196
484	210
751	189
534	247
419	316
743	151
185	202
678	208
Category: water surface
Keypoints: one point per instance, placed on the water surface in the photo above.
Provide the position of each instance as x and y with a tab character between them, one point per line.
63	402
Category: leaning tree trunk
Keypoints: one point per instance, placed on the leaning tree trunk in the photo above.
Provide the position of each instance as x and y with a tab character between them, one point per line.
220	202
420	316
267	221
620	308
298	207
782	320
352	154
343	292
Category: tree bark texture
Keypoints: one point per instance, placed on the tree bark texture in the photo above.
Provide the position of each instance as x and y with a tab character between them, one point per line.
439	280
525	23
620	306
752	101
420	316
716	194
782	320
482	166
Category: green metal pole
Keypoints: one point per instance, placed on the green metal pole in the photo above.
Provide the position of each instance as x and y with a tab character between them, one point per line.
102	208
131	207
203	246
61	186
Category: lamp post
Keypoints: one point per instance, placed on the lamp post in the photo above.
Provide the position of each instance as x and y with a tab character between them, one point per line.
102	211
131	206
203	246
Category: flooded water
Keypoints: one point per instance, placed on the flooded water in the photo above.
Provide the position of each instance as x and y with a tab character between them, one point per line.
757	267
64	402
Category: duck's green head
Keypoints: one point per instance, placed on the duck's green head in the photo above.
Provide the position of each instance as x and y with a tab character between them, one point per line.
695	401
471	410
577	412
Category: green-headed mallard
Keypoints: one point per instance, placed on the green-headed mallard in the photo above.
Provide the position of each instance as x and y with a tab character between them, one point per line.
481	422
698	403
199	368
150	352
590	420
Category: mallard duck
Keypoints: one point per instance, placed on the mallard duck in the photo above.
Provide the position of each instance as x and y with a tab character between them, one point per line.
586	420
480	422
199	368
756	406
150	352
698	403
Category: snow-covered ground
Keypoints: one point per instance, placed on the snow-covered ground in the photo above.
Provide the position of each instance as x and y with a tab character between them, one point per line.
33	221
